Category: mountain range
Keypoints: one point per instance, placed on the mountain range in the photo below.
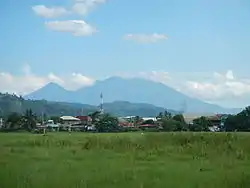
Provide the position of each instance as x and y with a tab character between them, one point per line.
134	90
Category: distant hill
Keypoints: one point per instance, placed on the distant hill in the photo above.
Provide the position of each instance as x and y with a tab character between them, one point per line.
51	92
12	103
132	90
122	108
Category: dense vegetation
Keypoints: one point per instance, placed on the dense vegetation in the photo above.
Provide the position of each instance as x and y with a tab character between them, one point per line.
200	160
166	122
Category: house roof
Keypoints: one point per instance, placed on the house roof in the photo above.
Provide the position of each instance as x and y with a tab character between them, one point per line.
126	124
148	125
149	118
213	118
84	118
122	120
69	118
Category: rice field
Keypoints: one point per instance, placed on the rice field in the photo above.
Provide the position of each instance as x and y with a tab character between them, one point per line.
174	160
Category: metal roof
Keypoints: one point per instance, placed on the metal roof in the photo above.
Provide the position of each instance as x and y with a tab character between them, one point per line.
69	118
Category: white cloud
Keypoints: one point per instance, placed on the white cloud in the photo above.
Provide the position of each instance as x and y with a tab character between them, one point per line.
221	87
52	12
26	83
53	78
81	79
75	27
83	7
146	38
211	87
19	84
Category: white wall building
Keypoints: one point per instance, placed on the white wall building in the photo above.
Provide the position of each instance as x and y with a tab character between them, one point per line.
70	120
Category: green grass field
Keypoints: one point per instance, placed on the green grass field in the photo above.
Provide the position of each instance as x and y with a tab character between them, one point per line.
174	160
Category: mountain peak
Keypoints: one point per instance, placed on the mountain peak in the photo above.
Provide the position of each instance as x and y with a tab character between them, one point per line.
53	84
51	92
113	78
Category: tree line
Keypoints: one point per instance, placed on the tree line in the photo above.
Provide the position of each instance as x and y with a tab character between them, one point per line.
165	122
16	121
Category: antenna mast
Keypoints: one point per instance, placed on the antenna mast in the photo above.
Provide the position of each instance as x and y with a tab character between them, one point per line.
101	105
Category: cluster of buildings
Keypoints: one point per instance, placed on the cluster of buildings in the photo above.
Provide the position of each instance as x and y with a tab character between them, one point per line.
217	120
84	123
68	123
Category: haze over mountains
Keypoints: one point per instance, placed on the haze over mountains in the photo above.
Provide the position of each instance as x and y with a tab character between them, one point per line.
132	90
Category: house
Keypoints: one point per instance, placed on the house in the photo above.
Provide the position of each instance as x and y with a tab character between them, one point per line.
85	120
215	120
149	118
189	118
69	120
124	122
51	125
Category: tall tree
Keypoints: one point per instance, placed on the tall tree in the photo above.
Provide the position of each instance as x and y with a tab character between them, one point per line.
159	116
95	116
107	123
231	123
179	118
167	115
201	124
239	122
29	120
14	121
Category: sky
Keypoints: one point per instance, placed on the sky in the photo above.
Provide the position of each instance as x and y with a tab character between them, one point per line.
198	47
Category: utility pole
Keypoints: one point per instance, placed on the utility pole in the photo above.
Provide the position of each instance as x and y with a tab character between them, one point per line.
69	129
44	128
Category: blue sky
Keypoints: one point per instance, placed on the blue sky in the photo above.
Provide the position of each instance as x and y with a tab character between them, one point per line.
206	40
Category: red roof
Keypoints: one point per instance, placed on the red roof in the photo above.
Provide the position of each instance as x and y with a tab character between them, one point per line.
126	124
148	125
84	118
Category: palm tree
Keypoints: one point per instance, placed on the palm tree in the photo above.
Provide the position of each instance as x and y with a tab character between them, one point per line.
167	115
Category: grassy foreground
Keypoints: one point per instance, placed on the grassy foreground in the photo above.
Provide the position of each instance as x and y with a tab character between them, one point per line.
174	160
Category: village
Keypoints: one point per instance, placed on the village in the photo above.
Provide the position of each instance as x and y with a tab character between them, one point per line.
86	124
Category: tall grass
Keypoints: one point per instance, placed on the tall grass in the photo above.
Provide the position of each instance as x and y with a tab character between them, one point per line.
127	159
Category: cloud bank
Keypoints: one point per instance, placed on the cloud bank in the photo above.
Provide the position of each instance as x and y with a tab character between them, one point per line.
28	82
